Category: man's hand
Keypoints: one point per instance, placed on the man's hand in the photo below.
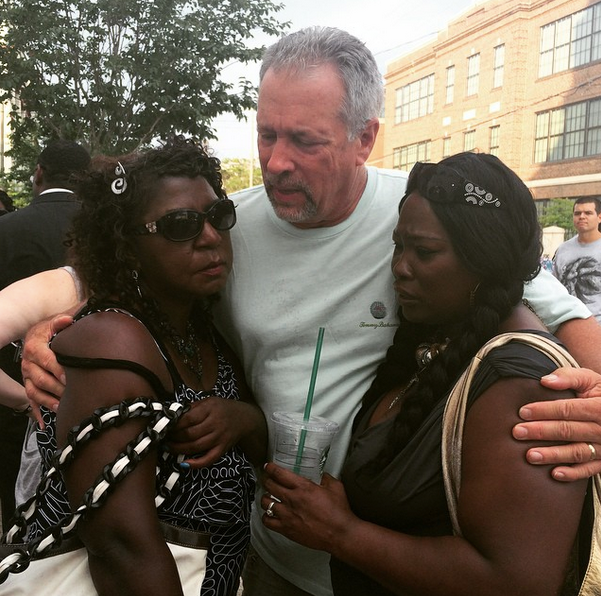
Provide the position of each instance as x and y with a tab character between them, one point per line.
43	376
577	421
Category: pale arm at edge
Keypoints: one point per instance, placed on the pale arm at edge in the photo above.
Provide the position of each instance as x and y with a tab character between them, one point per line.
552	302
582	338
33	299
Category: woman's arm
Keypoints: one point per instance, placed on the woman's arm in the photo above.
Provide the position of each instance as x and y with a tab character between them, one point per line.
518	524
127	552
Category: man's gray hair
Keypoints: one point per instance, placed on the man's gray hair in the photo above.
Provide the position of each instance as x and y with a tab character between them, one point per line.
357	66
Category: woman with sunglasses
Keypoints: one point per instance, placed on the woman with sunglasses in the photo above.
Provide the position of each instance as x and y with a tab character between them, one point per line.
466	240
151	247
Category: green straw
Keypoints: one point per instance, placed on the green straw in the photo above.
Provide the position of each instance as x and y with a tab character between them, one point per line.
309	402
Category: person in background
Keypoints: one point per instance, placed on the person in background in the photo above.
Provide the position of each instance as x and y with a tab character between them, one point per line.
312	250
466	241
577	262
32	240
151	248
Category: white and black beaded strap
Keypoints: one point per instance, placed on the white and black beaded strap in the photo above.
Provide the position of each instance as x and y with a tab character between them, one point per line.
163	416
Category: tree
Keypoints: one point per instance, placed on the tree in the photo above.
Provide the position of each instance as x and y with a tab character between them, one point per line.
236	174
558	213
118	75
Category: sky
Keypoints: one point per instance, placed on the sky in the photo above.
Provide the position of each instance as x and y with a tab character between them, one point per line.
389	28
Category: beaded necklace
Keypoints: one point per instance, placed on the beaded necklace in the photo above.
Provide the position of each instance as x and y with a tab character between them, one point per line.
187	348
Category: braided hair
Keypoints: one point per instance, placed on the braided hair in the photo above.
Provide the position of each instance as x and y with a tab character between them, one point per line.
502	248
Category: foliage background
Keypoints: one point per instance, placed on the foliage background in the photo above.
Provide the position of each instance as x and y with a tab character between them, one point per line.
236	174
118	75
559	213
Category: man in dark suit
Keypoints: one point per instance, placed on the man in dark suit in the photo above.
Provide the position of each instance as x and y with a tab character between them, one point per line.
32	240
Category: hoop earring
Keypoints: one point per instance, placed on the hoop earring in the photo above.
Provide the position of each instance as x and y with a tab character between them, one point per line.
473	296
135	276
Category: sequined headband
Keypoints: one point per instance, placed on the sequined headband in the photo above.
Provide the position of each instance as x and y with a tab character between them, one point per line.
442	184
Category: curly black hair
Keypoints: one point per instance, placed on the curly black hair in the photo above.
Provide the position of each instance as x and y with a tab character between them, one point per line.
502	247
102	248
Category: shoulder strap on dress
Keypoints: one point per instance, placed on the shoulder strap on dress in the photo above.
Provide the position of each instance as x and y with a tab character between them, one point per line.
452	440
108	363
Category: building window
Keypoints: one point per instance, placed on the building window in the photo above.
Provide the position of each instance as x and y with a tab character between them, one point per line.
446	147
469	140
571	41
494	140
473	74
568	132
498	66
414	100
404	158
450	88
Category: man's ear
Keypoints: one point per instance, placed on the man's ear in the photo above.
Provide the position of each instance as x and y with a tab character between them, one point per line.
38	175
366	140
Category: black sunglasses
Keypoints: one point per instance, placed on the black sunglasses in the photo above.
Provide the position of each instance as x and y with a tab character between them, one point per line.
186	224
442	184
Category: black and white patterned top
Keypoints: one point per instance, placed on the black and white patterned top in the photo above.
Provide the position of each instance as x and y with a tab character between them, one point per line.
215	499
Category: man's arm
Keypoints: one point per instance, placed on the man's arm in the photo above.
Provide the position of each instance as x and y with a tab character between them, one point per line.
577	421
582	338
43	376
33	299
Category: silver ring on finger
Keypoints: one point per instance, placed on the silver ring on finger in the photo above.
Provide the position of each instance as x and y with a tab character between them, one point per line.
593	451
269	512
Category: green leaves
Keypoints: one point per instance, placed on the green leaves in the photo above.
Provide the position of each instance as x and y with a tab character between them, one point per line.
116	75
558	213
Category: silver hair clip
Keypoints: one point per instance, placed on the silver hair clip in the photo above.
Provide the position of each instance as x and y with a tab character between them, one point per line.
119	184
479	196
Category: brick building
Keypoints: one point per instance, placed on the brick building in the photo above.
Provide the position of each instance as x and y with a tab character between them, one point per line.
517	78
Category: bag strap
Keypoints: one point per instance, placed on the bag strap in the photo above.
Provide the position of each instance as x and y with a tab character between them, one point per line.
162	417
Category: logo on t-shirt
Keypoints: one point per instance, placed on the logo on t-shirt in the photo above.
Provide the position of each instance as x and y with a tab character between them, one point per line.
378	310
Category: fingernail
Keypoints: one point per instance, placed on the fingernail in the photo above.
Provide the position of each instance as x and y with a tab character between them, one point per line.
525	413
184	465
558	475
63	379
535	457
520	432
55	407
551	377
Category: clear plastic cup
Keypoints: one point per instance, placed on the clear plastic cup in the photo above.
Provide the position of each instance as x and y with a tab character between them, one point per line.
315	435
